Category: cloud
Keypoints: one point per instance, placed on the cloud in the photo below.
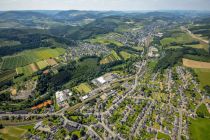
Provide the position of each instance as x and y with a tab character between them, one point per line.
104	4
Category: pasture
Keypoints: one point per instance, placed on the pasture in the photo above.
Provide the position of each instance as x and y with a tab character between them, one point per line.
83	88
203	76
28	57
125	55
163	136
6	76
199	129
178	38
110	58
12	133
195	64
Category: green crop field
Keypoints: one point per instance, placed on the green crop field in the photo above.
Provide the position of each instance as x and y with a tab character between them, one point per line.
199	129
125	55
203	76
177	38
110	58
9	43
31	56
202	111
12	133
6	76
42	64
83	88
163	136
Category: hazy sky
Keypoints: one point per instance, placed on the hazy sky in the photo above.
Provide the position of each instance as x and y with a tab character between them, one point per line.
105	4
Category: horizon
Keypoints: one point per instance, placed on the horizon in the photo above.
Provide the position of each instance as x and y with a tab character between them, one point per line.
105	5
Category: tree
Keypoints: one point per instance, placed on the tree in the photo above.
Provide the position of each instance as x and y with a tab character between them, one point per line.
74	137
1	126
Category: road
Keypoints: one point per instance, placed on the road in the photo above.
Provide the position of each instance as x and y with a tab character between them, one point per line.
195	36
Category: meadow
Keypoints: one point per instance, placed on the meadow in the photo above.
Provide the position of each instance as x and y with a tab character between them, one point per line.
178	38
203	76
110	58
83	88
163	136
27	57
12	133
125	55
199	129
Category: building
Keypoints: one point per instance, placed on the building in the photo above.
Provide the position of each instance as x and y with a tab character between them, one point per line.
62	97
106	78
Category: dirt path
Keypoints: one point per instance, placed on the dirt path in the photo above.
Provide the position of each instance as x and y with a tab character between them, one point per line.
195	36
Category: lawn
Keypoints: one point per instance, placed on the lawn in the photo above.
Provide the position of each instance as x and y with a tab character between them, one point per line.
163	136
27	57
203	76
199	129
12	133
83	88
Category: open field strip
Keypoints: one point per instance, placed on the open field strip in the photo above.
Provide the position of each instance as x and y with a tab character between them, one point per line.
27	57
195	64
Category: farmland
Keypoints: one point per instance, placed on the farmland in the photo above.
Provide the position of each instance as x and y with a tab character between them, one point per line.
106	39
28	57
178	38
34	67
110	58
195	64
13	133
203	76
125	55
199	129
83	88
7	75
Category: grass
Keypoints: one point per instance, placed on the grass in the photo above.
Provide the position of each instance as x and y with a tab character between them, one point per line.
7	75
203	76
106	39
125	55
199	129
179	37
110	58
12	133
28	57
9	43
202	111
83	88
163	136
42	64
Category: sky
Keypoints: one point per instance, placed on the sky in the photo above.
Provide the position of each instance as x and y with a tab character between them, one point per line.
118	5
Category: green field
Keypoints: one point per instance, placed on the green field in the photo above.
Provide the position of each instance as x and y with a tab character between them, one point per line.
12	133
6	76
42	64
27	57
199	129
9	43
83	88
125	55
106	40
203	76
163	136
180	38
110	58
202	111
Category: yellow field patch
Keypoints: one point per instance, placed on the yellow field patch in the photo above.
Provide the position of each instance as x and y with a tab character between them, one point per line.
51	62
195	64
83	88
